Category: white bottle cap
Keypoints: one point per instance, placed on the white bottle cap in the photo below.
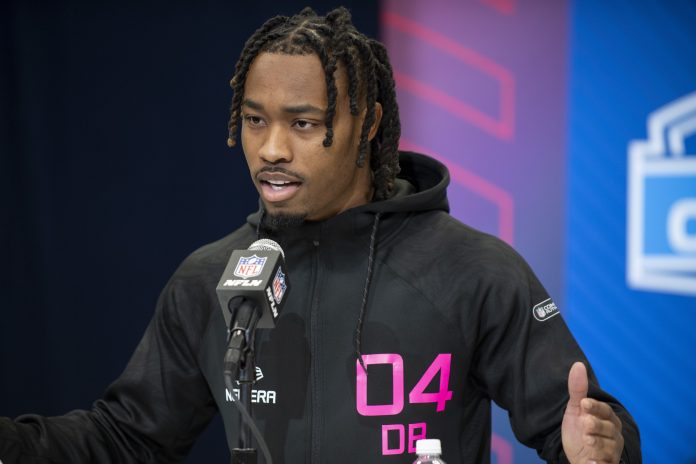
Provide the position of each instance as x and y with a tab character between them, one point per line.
430	446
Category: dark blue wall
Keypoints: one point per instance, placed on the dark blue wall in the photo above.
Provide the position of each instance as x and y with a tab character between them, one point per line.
113	167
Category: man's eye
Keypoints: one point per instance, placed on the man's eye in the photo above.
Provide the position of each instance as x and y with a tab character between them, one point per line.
253	120
303	124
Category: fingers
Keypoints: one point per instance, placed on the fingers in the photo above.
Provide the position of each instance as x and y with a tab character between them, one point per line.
601	430
577	384
602	449
602	452
593	426
601	411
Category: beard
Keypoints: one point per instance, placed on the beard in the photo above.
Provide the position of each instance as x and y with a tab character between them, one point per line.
282	222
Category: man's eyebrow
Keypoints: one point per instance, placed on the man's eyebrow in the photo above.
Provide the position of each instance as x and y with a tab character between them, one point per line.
303	109
252	104
296	109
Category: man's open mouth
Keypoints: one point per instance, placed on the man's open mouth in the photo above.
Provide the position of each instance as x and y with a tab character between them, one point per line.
279	185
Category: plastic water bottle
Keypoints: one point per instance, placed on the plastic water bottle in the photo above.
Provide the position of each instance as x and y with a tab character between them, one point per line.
428	452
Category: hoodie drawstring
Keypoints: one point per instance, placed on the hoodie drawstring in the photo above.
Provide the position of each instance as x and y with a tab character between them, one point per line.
366	289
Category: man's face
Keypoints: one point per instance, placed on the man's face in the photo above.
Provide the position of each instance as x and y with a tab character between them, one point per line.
283	129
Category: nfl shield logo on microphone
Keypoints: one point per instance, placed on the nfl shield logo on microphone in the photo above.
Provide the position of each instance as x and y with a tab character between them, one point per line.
279	286
249	266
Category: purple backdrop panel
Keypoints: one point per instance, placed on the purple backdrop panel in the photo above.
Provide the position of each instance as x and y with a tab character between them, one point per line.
481	87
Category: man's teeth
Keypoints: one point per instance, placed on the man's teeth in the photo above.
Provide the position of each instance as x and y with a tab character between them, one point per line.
278	184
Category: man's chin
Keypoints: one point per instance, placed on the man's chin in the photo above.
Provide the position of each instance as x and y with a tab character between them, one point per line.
278	222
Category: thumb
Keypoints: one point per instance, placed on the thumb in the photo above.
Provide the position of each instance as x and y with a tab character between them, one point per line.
577	384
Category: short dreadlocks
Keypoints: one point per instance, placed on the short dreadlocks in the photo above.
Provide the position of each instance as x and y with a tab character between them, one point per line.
333	37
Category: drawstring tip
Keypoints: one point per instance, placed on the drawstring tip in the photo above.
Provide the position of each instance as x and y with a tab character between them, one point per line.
362	363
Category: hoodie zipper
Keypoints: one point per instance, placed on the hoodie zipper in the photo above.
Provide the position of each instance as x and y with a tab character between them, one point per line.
314	353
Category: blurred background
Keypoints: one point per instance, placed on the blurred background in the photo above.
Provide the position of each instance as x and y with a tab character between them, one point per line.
568	126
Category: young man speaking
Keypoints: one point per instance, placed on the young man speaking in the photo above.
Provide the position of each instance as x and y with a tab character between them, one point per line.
402	323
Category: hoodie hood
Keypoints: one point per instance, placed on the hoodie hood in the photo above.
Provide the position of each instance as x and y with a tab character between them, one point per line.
420	186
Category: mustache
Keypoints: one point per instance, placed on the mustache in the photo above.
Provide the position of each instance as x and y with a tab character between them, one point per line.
280	170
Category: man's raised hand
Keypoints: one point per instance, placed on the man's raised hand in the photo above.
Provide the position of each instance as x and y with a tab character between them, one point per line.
591	430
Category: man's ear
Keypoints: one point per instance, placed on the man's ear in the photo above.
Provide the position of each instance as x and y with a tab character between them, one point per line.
375	123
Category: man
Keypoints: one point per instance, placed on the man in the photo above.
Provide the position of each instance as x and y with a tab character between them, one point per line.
402	323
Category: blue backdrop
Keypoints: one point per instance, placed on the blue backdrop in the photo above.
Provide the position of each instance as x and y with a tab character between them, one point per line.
628	60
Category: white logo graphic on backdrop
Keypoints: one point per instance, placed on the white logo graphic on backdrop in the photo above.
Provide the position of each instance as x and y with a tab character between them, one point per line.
661	240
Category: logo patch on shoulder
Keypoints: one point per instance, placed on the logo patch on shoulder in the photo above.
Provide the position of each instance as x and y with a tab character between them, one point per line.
545	310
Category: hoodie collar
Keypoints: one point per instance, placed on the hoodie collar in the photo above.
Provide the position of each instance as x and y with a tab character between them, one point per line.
420	186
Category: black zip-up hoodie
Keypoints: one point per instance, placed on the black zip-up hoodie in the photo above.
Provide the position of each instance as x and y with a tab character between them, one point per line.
454	318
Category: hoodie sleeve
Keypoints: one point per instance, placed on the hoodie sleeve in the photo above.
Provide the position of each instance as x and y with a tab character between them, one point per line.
152	413
524	355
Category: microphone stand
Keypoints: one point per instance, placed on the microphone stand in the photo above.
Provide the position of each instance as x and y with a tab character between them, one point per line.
240	358
245	453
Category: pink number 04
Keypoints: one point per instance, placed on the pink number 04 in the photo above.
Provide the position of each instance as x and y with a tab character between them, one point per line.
441	364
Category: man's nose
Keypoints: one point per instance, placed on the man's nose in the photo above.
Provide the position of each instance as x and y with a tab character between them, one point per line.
275	148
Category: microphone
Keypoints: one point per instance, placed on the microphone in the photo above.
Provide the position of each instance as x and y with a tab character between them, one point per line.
258	277
251	292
